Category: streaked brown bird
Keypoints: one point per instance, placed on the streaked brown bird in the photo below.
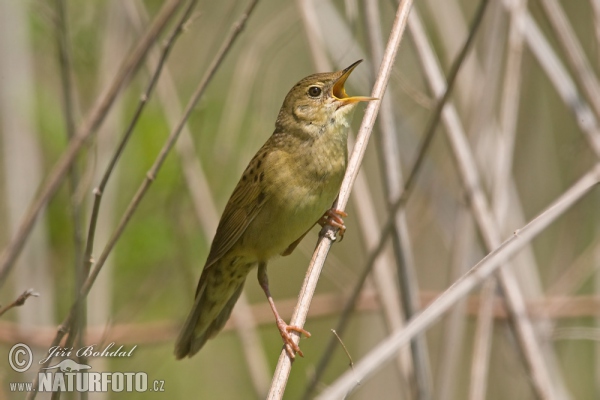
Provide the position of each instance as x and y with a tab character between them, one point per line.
286	189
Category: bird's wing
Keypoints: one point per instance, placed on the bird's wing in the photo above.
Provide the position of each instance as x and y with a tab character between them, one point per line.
244	205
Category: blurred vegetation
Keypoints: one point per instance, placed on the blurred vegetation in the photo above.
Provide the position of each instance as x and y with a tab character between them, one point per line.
155	266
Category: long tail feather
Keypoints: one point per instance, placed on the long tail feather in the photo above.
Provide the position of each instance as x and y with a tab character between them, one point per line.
219	288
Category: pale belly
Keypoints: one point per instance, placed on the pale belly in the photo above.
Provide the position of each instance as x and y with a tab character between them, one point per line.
285	219
299	185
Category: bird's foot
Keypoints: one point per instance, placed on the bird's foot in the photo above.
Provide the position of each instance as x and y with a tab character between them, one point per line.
290	347
333	217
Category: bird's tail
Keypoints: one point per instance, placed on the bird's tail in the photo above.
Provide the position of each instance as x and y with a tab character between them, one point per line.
219	288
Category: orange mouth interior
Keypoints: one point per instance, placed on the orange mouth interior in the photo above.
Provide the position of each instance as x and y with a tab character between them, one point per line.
339	91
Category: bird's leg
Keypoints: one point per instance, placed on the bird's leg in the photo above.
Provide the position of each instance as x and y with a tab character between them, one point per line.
333	217
284	329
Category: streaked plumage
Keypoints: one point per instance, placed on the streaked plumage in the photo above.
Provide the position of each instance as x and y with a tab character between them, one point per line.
286	188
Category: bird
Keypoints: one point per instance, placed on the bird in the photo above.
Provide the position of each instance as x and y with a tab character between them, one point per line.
289	186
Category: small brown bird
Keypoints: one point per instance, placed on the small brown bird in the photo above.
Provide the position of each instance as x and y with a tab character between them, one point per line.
286	189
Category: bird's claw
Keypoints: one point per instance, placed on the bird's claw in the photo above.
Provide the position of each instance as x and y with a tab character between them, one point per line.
291	347
333	217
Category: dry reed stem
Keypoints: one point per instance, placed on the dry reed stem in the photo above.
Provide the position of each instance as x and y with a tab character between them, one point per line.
387	348
151	175
88	128
323	306
561	80
455	326
408	185
384	276
501	199
529	345
285	363
575	56
393	184
204	207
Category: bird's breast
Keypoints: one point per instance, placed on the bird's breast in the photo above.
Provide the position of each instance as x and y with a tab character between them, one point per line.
302	184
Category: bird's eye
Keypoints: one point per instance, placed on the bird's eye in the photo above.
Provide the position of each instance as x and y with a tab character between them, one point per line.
314	91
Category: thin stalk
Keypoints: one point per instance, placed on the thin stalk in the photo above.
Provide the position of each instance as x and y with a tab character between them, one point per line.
401	199
88	260
384	276
87	129
284	364
544	385
150	176
575	56
502	177
387	348
393	180
560	79
77	323
204	205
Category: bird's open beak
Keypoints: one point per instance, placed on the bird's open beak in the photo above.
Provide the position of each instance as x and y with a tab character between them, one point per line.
339	92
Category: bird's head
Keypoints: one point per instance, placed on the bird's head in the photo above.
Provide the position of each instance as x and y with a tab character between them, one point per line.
317	102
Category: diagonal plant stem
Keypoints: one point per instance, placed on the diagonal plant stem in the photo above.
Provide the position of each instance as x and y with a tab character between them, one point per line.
532	350
124	140
502	174
393	184
387	348
285	363
561	80
87	260
151	175
402	197
88	128
204	205
575	55
384	276
84	263
483	216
